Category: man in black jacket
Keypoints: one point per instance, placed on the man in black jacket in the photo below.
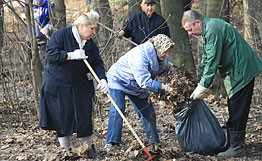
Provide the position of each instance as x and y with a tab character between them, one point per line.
145	24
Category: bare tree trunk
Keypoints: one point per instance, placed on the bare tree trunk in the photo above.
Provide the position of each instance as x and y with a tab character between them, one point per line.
158	7
106	19
181	54
134	7
1	45
1	25
105	15
36	66
258	21
218	9
58	13
251	32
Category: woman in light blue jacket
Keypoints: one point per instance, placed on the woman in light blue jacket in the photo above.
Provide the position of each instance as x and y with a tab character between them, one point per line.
133	76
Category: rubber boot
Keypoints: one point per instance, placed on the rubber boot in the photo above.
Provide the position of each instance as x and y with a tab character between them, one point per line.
237	145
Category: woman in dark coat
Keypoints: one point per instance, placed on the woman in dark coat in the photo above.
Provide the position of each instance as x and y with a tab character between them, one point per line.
66	96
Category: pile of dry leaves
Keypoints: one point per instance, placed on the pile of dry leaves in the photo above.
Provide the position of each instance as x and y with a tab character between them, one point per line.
183	84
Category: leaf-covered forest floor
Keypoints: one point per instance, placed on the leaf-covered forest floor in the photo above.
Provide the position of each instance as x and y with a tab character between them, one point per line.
23	140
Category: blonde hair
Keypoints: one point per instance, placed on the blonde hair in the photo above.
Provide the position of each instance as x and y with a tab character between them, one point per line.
87	18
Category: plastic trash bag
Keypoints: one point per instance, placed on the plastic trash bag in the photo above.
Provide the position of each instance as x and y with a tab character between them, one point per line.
198	130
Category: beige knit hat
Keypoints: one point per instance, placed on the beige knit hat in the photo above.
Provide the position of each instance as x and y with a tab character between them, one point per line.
161	43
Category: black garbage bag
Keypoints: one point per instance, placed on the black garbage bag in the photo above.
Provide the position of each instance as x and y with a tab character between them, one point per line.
198	130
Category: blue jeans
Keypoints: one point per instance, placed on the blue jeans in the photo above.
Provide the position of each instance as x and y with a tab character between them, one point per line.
144	110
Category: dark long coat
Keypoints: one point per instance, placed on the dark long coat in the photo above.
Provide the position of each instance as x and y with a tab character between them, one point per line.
66	95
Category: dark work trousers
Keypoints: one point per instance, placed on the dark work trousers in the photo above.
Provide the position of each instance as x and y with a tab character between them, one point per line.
239	106
42	50
41	43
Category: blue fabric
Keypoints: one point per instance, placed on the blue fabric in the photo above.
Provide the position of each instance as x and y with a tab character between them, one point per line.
145	112
40	1
134	72
140	27
41	16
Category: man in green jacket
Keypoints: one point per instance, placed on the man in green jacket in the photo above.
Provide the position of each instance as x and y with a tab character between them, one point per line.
226	51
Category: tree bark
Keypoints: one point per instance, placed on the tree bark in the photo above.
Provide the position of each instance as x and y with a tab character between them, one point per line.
106	19
58	13
181	55
36	66
105	15
218	9
251	32
1	25
258	21
158	7
134	7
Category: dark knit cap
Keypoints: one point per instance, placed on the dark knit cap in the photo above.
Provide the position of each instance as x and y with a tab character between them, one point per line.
149	1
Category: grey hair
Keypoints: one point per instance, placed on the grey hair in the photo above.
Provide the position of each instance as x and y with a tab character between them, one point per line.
191	16
87	18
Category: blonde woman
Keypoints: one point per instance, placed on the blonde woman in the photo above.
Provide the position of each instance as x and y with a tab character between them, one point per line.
66	96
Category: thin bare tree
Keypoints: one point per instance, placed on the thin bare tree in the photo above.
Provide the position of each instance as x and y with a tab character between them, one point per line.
182	53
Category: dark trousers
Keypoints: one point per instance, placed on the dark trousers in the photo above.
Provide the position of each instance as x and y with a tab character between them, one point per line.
42	48
239	106
41	43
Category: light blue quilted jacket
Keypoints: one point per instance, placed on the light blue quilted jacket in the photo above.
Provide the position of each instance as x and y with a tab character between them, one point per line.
135	71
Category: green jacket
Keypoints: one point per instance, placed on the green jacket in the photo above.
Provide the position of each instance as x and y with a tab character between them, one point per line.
226	51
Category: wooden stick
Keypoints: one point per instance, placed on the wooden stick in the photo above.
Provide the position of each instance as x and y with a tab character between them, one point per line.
132	42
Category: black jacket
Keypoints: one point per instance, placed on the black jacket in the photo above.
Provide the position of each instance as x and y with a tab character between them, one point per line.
140	27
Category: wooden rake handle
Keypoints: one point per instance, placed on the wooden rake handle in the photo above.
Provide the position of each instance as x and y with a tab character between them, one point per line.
130	41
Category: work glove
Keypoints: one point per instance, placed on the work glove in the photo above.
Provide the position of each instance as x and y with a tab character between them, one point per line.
103	87
23	16
199	92
77	55
120	33
166	87
47	29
